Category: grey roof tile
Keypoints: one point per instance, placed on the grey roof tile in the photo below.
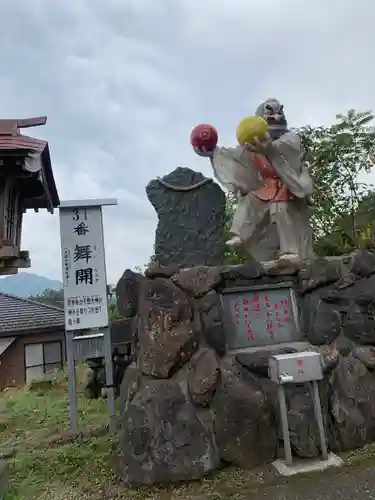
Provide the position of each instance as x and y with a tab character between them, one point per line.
18	315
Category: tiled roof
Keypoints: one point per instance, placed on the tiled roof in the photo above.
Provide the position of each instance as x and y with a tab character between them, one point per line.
21	142
18	315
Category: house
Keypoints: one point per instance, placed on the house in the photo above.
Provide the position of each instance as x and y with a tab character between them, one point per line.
32	339
26	182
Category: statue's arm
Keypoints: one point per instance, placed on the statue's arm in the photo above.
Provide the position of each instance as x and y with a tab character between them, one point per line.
286	158
234	169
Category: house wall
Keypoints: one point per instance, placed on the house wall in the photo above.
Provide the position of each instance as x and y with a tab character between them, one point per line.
12	362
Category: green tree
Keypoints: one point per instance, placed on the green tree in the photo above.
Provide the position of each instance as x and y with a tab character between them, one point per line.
337	157
50	297
55	298
112	311
340	240
231	256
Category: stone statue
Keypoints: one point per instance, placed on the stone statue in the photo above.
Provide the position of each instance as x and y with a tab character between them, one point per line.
273	188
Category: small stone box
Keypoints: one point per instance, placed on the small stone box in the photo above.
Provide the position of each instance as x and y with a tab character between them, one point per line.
296	368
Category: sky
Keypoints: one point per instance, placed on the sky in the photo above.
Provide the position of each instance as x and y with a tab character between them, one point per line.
123	82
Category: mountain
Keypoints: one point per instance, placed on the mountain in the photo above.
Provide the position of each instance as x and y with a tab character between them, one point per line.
26	284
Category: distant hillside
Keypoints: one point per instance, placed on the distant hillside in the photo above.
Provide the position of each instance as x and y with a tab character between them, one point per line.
26	284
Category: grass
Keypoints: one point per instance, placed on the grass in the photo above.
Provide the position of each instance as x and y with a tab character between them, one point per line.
46	462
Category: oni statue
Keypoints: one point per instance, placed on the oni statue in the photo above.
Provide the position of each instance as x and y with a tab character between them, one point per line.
273	189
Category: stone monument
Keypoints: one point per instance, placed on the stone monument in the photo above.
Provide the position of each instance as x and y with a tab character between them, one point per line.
191	213
190	400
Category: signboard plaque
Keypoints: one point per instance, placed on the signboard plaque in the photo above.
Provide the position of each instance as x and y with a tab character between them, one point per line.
263	315
84	273
85	294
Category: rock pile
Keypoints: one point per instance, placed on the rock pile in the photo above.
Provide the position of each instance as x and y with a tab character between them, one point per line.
187	405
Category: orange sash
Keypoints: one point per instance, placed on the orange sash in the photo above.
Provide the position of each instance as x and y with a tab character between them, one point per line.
273	190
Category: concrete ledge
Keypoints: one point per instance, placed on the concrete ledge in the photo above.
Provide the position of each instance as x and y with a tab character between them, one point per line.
301	466
298	346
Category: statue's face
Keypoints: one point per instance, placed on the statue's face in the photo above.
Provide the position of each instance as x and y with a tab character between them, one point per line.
273	113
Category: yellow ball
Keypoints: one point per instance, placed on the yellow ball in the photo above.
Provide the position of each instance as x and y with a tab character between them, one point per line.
250	127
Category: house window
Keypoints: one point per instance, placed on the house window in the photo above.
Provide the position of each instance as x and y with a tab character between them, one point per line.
42	358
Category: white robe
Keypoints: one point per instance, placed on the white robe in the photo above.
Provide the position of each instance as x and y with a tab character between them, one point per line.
267	228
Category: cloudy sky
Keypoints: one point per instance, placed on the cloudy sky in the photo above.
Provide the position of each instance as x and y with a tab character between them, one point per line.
123	81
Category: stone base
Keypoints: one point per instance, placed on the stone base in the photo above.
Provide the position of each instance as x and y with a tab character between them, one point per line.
187	404
303	466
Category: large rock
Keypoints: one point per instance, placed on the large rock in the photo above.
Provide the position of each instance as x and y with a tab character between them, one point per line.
330	356
366	355
131	383
213	332
243	274
244	420
362	263
257	361
162	440
352	403
155	270
203	377
123	332
127	291
321	321
304	436
191	213
168	328
199	280
356	305
320	272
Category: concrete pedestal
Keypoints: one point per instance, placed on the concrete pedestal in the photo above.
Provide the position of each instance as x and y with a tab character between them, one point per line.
302	466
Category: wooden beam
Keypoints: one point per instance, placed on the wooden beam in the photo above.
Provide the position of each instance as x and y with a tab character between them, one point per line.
11	126
8	252
31	122
12	266
8	271
21	263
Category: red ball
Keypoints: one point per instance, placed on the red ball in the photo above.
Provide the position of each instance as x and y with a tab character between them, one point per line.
204	136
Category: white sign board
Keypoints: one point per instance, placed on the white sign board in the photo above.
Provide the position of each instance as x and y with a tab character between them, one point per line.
83	264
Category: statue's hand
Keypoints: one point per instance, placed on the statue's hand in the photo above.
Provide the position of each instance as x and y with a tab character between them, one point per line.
261	146
240	193
204	152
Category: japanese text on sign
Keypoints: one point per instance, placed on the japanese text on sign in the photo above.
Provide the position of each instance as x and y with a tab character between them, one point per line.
300	370
260	316
84	276
277	314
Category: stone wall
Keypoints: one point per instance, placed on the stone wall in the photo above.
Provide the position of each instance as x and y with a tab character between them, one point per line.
187	405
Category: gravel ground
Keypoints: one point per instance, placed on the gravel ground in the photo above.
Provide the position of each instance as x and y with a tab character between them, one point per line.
352	483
